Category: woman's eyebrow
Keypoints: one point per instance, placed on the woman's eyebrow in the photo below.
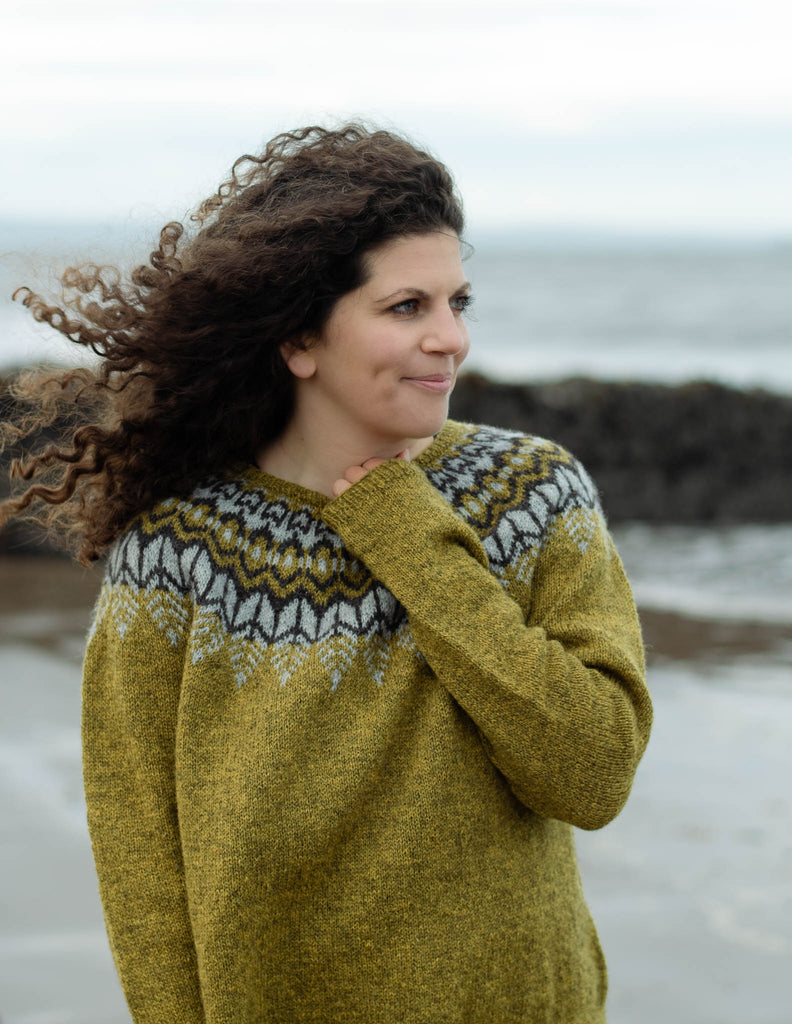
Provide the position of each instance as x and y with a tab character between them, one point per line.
419	293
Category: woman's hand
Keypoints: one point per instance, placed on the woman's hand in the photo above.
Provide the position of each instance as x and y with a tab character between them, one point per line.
355	473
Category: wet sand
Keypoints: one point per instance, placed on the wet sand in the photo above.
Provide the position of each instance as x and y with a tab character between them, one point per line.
691	887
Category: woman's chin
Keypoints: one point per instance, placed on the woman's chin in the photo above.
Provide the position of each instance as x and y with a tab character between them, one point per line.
402	428
426	428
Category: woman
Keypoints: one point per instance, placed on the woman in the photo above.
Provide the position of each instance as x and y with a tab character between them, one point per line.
355	670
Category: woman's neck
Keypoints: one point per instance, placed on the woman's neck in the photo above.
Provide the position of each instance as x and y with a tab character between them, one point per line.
313	459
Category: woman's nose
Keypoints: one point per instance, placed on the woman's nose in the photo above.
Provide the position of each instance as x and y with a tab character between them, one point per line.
447	333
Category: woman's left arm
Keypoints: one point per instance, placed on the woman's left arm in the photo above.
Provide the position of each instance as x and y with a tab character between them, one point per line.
559	695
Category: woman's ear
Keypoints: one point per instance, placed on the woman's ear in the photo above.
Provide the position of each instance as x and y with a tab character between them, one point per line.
300	361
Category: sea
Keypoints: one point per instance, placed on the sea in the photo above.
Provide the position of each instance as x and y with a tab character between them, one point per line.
691	887
547	305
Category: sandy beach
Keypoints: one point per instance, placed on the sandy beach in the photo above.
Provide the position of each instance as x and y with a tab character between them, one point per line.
691	887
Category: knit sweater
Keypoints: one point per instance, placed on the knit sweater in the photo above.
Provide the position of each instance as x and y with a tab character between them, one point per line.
334	748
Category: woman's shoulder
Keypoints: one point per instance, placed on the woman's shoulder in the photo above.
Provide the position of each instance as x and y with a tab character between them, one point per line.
160	545
490	458
517	490
223	527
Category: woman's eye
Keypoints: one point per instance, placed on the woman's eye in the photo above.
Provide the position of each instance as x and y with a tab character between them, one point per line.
461	303
405	307
408	307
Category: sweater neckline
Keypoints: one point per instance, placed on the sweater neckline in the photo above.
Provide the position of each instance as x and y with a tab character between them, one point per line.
449	435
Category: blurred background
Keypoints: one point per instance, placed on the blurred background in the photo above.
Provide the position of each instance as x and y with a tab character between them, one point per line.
625	168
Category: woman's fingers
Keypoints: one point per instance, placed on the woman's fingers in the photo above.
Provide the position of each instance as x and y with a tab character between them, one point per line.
371	463
355	473
352	475
340	486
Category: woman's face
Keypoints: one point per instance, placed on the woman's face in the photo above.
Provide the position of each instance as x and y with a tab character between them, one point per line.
386	362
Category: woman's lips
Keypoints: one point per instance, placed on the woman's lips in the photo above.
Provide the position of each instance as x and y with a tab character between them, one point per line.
438	382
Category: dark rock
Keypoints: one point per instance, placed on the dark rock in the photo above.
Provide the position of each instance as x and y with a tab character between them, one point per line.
697	452
694	453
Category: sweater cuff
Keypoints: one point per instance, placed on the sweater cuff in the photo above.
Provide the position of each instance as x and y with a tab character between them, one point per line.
395	508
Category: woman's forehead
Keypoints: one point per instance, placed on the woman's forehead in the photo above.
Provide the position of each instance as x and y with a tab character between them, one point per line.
425	253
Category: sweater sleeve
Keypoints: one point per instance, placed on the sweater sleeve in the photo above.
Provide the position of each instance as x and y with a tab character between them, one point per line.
555	681
131	687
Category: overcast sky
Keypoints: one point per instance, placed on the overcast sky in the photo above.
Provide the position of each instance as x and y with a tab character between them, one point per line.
637	115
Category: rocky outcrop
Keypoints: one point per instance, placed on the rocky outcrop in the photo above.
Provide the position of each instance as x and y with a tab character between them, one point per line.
694	453
697	452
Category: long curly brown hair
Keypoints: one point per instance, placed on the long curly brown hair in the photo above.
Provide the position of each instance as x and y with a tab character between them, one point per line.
190	377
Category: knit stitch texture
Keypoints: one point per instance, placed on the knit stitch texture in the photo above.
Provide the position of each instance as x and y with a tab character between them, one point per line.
333	749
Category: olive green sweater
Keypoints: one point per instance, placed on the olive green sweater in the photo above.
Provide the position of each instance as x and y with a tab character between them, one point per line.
333	749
